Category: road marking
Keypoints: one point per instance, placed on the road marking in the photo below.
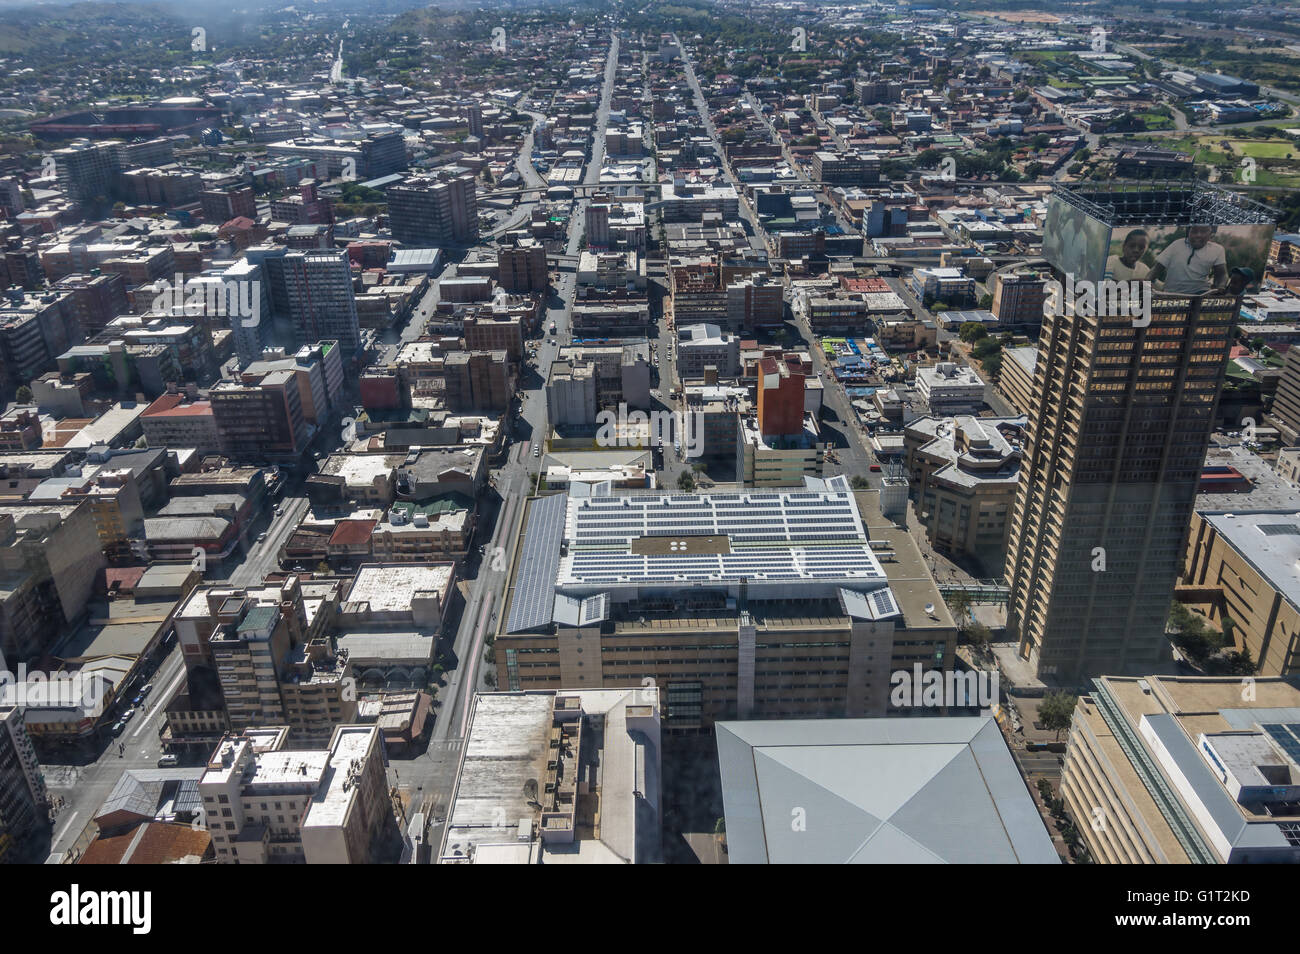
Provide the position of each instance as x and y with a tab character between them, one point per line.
480	630
64	830
162	700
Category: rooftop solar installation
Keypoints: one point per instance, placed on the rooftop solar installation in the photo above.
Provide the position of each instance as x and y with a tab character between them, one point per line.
662	539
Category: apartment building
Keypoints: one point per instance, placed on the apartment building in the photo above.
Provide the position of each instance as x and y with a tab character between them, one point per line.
478	380
755	303
424	211
49	560
381	153
23	797
1016	381
522	268
950	389
488	332
1018	299
173	420
268	649
845	168
1285	411
265	803
262	421
702	346
321	304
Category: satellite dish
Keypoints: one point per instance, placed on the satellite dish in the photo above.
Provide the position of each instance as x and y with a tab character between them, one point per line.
929	609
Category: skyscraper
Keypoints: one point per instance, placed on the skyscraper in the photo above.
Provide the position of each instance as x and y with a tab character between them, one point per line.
435	212
1123	407
320	300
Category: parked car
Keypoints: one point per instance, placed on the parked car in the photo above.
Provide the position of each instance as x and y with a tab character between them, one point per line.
168	761
148	688
875	468
118	726
126	716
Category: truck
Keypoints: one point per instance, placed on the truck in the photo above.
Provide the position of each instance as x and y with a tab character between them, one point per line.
551	330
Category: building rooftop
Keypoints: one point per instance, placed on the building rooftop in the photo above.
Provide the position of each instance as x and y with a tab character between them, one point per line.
581	553
390	587
338	789
940	790
569	777
1270	542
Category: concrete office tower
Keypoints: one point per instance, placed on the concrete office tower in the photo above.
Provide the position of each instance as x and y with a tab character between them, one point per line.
1120	419
251	332
429	212
1285	413
320	300
522	267
23	798
85	170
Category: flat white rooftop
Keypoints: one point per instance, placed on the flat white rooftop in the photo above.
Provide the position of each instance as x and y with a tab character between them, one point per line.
390	588
338	787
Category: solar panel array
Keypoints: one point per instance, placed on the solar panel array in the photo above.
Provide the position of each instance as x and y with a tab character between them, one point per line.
533	602
1287	736
883	603
774	537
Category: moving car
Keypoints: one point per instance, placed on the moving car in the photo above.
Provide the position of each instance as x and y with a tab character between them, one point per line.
168	761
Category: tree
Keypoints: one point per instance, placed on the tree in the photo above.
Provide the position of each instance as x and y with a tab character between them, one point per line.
971	331
859	482
686	482
1197	640
1056	711
323	568
959	603
979	634
24	395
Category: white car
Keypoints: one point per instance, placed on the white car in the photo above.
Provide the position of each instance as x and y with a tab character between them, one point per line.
537	452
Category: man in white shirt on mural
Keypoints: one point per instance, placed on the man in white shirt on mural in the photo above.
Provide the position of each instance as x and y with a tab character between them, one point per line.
1193	265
